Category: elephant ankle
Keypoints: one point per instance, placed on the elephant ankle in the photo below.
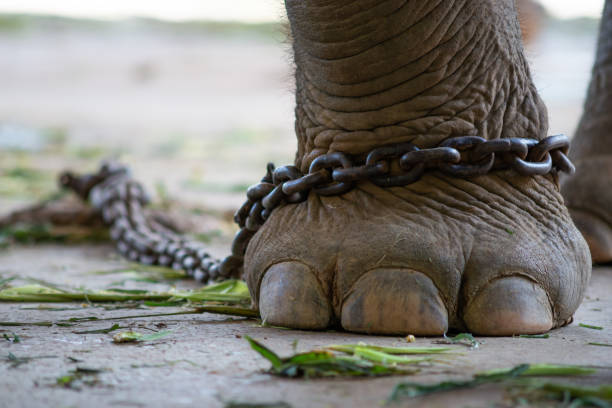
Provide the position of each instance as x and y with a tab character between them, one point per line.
514	116
441	70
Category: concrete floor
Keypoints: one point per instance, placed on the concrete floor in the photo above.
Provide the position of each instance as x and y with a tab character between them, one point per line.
213	110
206	361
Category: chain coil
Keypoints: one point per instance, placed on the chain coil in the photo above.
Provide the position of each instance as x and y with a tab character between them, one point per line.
120	199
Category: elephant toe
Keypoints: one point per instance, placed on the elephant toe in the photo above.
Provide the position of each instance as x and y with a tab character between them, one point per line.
394	301
509	306
291	296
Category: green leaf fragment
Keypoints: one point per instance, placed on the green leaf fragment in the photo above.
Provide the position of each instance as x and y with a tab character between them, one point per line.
335	366
385	358
225	310
40	293
534	336
604	391
79	376
27	233
157	273
323	363
47	284
88	370
589	326
15	361
582	395
15	339
155	336
230	291
101	331
152	303
350	348
462	338
127	337
52	309
411	390
599	344
83	319
228	310
544	370
47	324
4	282
129	291
265	352
65	380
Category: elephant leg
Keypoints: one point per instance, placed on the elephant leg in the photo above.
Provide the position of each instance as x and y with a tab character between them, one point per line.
496	254
588	193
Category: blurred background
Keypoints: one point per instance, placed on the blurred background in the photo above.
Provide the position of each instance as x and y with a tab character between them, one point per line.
195	95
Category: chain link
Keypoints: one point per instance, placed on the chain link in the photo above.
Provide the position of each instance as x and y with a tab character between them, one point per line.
120	199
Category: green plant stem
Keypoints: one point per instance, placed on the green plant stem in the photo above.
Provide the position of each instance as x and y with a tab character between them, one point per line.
224	310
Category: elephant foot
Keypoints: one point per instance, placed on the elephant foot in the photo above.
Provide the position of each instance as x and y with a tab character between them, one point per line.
495	255
589	198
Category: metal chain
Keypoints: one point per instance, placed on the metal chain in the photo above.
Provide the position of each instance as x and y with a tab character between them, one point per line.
120	199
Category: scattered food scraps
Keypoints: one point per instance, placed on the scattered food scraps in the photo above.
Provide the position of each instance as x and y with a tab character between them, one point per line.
230	292
571	395
364	360
350	348
411	390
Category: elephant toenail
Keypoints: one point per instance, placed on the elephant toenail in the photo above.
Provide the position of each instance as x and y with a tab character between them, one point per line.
291	296
509	306
395	301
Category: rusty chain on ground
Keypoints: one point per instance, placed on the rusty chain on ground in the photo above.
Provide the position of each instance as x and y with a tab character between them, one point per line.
120	199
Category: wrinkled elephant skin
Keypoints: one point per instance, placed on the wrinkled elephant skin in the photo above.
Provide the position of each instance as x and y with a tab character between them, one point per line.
496	254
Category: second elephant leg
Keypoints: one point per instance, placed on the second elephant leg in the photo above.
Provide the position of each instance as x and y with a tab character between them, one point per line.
588	193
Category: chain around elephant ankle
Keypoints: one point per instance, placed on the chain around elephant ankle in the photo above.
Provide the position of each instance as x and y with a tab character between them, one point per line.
337	173
121	200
